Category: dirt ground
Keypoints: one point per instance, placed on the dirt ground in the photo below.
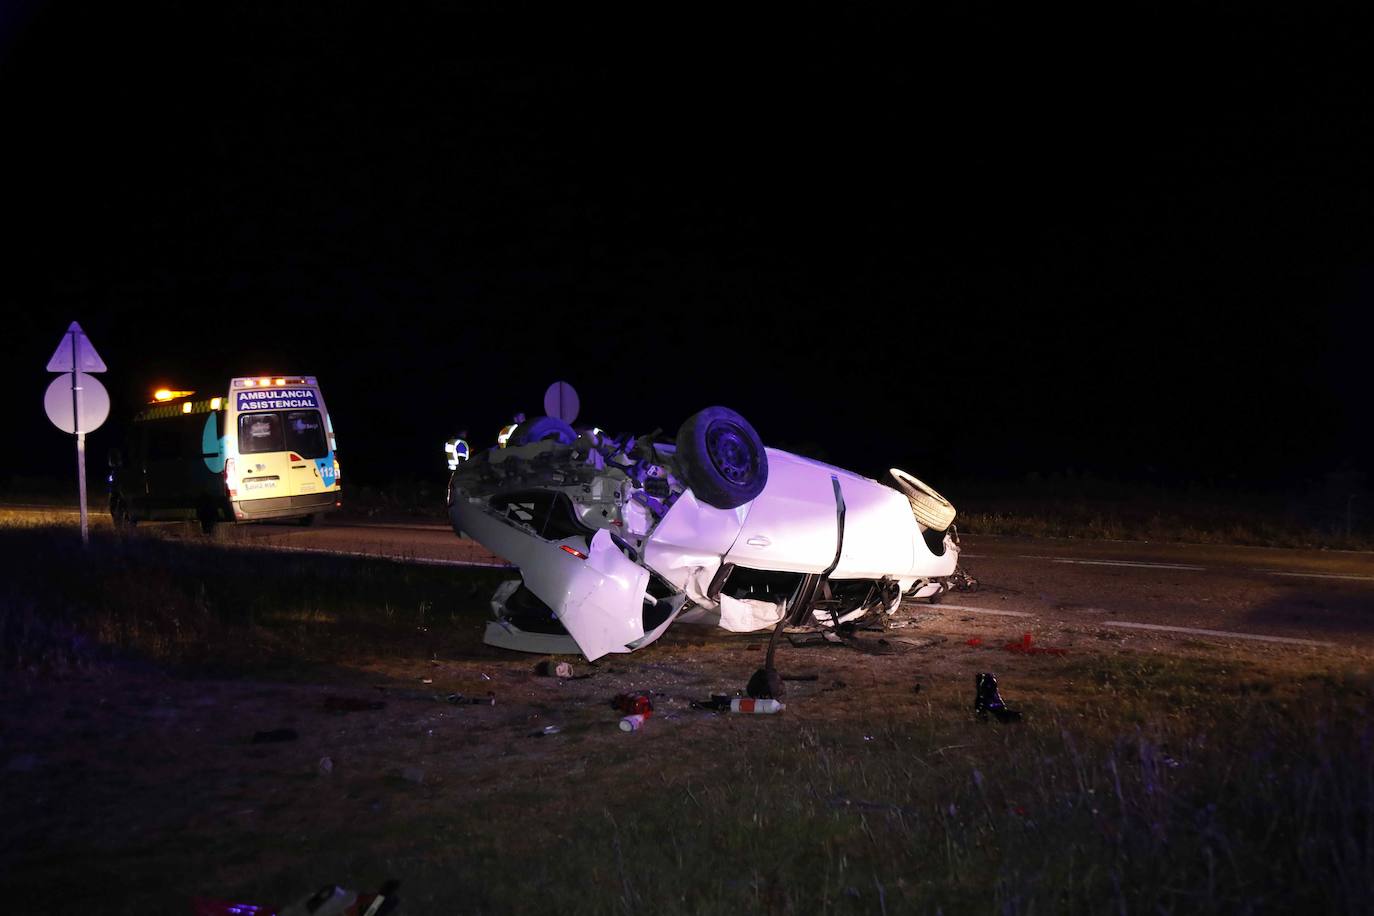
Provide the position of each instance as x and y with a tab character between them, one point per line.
130	789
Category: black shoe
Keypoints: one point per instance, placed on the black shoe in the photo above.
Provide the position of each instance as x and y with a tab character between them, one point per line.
986	699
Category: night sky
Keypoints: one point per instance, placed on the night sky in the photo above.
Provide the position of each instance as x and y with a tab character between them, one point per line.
975	245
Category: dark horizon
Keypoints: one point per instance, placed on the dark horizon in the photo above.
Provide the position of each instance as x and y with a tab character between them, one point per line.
977	249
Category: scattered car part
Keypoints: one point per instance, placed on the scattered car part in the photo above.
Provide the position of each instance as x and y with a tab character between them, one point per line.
930	508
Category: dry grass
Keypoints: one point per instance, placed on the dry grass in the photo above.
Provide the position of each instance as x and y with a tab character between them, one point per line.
1199	781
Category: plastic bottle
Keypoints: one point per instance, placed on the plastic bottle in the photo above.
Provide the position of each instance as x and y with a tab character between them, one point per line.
633	723
757	707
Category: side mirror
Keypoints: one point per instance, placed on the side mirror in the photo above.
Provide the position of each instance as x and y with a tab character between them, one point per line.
116	460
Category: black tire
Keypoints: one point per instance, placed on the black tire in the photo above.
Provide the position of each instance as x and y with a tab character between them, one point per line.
208	516
305	521
543	428
721	458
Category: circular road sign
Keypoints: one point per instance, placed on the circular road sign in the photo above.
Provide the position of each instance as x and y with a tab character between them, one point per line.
561	401
95	402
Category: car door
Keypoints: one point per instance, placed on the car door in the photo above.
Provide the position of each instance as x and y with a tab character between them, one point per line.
792	526
264	469
305	441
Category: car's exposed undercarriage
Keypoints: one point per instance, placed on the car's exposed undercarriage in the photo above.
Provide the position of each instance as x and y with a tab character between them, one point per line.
600	525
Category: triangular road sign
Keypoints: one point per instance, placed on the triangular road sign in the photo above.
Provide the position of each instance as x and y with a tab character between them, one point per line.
75	352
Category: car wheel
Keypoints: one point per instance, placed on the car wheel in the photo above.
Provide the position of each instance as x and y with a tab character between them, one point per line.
721	457
930	508
546	428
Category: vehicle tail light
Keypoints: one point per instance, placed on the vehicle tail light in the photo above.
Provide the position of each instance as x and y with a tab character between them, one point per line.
572	550
230	481
295	457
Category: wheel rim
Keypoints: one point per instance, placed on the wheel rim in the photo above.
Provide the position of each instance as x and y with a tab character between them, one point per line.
731	452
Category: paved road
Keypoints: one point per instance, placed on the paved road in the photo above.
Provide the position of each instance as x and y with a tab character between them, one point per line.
1324	596
1259	593
1298	595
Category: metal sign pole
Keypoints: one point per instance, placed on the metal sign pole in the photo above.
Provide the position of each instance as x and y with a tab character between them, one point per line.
80	441
87	394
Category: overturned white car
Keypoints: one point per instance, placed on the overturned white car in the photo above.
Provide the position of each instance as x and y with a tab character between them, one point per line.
616	538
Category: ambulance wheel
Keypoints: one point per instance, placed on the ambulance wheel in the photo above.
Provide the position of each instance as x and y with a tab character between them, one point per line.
119	513
721	458
305	521
208	516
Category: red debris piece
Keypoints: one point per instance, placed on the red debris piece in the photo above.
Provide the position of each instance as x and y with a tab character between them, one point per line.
633	704
975	642
1024	646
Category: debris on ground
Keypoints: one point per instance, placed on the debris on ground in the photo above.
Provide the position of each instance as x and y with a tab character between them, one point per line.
632	704
719	702
813	638
635	708
975	642
1025	647
546	730
457	699
210	906
331	900
274	735
987	699
351	704
962	581
551	668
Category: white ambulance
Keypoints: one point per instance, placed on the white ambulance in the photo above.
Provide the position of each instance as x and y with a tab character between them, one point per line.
264	450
